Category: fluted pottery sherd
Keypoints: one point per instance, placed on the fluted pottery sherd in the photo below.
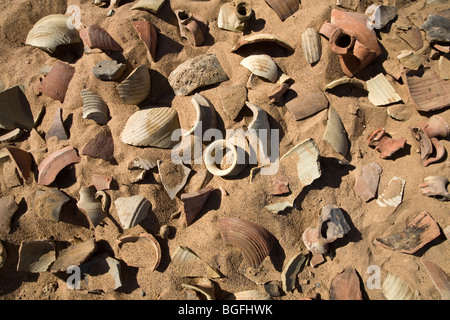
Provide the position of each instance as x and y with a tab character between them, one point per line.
136	87
350	38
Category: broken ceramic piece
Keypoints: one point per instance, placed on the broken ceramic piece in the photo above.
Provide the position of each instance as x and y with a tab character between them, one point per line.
54	163
437	28
419	232
284	8
148	35
379	16
56	82
349	37
48	204
36	255
101	182
11	135
236	158
101	146
95	37
190	265
436	127
94	107
192	27
439	153
439	278
148	5
95	204
108	70
261	38
291	270
136	87
277	94
74	255
202	288
233	100
102	274
22	161
141	251
308	161
427	90
57	129
173	176
197	72
3	255
303	102
436	187
381	91
426	147
254	241
409	60
413	37
281	186
383	143
395	288
279	207
311	45
392	195
367	178
444	67
193	203
132	210
8	207
335	133
345	80
262	66
346	286
15	111
259	132
51	32
314	242
206	115
151	127
235	16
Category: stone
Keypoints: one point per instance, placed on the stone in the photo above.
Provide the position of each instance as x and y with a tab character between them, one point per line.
108	70
437	28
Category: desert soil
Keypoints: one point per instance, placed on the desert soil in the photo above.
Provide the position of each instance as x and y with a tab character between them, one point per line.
21	64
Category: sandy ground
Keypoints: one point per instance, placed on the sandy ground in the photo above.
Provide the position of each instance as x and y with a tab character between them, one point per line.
20	64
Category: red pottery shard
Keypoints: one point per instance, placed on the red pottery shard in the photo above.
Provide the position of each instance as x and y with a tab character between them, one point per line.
254	241
56	82
346	286
350	38
440	279
426	147
95	37
436	127
366	181
22	160
422	230
281	186
192	27
54	163
302	102
284	8
440	153
428	91
413	37
384	143
193	203
276	95
101	146
101	182
57	129
7	209
148	34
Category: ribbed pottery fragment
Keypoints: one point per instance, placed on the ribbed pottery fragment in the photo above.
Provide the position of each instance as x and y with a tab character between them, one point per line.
409	60
52	31
191	265
151	127
95	37
311	45
394	288
94	107
136	87
254	241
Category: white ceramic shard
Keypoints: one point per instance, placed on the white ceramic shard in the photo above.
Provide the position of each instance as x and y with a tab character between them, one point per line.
191	265
279	207
259	129
262	66
148	5
132	210
94	107
151	128
308	163
335	133
311	45
345	80
212	157
136	87
206	115
381	91
395	288
409	59
52	31
392	195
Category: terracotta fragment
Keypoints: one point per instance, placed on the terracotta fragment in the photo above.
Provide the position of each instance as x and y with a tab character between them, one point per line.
346	286
193	203
57	129
436	127
284	8
440	279
435	186
7	209
439	154
366	181
101	182
95	204
95	37
148	35
384	144
56	82
281	186
420	231
101	146
192	27
277	94
392	195
233	100
54	163
413	37
303	102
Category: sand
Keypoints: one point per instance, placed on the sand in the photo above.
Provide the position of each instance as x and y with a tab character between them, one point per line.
20	64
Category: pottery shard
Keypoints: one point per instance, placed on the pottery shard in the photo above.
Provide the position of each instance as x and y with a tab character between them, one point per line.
15	111
413	37
48	204
332	223
22	161
284	8
74	255
55	84
302	102
193	203
57	129
233	100
101	182
36	255
346	286
197	72
366	181
7	209
108	70
54	163
148	34
437	28
440	279
420	231
392	195
101	146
